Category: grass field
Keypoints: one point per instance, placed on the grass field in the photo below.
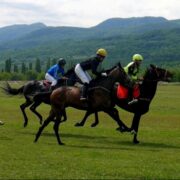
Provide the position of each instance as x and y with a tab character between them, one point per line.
92	153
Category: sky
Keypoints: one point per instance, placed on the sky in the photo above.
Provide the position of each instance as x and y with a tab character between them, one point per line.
82	13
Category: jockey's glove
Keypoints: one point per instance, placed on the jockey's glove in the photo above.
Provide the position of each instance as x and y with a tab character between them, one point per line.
104	74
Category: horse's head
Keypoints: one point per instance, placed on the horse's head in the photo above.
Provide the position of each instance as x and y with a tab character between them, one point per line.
155	73
118	74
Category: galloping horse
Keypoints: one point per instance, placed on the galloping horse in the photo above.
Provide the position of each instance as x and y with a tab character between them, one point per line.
31	88
147	92
99	99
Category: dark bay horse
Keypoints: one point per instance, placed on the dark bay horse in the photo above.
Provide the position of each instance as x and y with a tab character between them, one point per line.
147	91
99	99
32	88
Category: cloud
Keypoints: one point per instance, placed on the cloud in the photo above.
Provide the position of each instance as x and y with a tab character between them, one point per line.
84	13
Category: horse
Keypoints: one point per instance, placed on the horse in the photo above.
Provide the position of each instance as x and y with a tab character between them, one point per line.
99	99
31	88
148	88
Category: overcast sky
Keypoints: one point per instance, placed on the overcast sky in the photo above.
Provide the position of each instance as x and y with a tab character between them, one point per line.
82	13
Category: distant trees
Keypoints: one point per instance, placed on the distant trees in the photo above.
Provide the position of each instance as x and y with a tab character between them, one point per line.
26	71
8	64
35	70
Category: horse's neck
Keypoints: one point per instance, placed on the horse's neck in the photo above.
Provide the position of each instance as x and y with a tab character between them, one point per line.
148	89
116	74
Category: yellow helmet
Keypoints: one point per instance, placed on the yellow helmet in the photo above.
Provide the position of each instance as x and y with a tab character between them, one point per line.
101	52
137	57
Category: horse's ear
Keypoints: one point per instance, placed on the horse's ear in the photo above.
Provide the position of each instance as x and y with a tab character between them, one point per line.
152	66
119	64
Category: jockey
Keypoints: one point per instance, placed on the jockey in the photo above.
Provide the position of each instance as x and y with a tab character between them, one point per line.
55	72
90	64
132	69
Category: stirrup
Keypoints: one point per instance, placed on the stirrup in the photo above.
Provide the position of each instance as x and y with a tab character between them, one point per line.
133	101
83	98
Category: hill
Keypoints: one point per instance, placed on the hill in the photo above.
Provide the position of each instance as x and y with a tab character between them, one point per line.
156	38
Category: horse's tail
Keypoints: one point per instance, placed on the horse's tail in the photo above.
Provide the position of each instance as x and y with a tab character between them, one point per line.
12	91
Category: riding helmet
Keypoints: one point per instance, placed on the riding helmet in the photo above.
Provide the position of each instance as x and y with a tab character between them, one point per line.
61	61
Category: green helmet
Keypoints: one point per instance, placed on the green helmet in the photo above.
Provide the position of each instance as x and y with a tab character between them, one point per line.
137	57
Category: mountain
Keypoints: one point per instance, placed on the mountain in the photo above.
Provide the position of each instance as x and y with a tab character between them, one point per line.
157	38
9	33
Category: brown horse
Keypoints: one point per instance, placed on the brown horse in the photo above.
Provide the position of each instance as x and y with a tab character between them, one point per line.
99	99
147	92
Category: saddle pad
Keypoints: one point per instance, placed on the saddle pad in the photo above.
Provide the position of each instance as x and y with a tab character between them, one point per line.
122	92
136	91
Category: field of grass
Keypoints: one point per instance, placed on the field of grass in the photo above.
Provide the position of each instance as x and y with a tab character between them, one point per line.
92	153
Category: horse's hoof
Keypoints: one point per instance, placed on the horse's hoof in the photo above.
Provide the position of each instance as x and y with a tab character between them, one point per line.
136	142
25	124
93	125
1	123
78	125
61	143
123	129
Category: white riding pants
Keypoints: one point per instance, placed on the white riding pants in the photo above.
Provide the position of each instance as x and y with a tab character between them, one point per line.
51	79
82	75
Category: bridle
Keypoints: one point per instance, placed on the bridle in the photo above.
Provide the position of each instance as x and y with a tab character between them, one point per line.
158	76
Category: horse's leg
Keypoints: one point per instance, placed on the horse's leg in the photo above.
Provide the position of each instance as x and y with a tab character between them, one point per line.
56	126
33	109
96	122
115	115
46	122
23	107
135	126
64	115
88	113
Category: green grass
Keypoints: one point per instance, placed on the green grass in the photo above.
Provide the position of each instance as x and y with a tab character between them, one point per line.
92	153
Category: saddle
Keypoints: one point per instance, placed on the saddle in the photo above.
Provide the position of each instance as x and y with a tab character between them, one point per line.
124	93
46	83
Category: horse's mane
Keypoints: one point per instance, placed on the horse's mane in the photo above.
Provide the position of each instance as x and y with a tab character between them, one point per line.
69	71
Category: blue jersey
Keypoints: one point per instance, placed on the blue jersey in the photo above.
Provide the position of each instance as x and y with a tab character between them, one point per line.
56	71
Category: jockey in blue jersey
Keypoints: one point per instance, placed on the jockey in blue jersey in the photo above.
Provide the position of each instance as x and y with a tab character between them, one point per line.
90	64
55	72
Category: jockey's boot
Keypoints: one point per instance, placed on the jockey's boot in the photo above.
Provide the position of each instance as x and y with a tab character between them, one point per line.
133	101
84	92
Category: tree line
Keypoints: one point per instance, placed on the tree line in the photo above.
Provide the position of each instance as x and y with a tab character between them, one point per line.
35	70
27	70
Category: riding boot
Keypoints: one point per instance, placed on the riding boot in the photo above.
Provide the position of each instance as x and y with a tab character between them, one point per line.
84	92
132	100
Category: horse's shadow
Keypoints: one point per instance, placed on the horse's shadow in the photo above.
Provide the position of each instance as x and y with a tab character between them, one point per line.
122	145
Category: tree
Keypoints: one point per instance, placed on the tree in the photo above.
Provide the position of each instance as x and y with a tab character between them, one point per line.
8	65
23	68
30	66
54	61
48	64
16	68
38	65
